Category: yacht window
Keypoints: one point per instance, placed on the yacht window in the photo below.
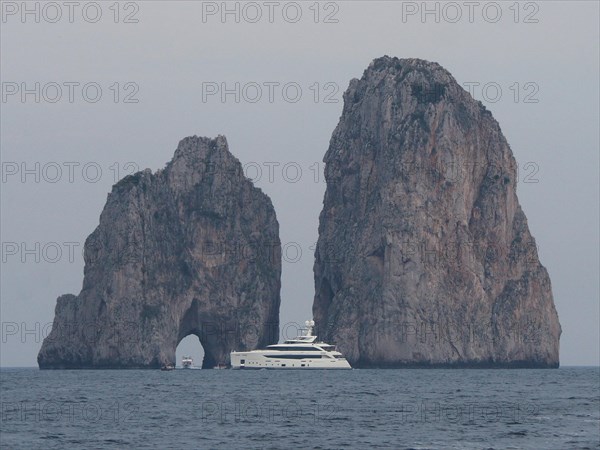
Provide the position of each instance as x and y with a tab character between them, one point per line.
294	356
295	349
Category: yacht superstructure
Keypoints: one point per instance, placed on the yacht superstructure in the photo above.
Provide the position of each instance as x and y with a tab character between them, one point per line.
302	352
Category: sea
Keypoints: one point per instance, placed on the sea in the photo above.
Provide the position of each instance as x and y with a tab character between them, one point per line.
320	409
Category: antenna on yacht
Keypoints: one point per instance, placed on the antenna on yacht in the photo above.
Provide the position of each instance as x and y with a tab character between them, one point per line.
309	327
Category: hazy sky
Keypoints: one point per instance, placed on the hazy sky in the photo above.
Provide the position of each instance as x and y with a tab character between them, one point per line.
116	95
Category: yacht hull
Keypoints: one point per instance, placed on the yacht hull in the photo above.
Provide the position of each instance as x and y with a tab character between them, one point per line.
260	360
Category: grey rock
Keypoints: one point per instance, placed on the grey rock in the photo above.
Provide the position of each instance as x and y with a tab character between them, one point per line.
191	249
424	255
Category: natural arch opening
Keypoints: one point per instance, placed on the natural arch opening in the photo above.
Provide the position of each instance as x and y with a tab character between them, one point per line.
190	346
212	349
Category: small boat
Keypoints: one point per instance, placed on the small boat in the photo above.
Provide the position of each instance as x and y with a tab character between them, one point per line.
186	362
302	352
168	367
220	366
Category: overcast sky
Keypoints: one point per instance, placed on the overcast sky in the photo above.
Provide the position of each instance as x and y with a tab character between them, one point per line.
118	91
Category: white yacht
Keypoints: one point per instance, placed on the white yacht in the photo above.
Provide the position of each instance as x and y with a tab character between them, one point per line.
302	352
186	362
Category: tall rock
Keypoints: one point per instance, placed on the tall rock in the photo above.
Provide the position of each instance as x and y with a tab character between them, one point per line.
424	255
190	249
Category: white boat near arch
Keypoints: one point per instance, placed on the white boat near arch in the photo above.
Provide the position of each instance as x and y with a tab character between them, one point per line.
302	352
187	362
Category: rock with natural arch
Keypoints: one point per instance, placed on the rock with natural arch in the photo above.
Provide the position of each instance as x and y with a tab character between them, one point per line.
190	249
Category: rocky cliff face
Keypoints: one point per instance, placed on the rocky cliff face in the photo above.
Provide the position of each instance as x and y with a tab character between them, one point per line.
424	255
191	249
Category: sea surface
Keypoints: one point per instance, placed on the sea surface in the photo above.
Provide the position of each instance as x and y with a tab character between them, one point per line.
354	409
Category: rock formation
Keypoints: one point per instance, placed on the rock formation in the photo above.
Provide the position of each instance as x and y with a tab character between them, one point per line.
424	255
191	249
